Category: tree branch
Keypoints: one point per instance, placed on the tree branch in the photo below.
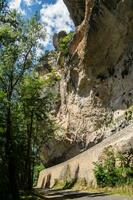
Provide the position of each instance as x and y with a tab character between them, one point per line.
24	67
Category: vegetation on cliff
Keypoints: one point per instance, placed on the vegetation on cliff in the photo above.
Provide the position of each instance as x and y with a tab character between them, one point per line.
64	43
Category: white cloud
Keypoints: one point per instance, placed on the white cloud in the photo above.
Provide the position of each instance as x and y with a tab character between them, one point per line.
56	17
39	2
16	4
28	2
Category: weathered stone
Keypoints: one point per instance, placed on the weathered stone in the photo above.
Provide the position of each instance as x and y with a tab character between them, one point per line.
96	88
76	9
94	83
81	167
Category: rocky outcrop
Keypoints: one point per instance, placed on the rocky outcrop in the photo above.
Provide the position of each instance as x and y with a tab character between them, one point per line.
56	151
96	88
76	9
81	167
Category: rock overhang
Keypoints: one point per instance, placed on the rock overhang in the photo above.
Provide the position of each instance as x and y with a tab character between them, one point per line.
76	9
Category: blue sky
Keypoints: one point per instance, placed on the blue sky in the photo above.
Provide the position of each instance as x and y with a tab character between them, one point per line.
53	12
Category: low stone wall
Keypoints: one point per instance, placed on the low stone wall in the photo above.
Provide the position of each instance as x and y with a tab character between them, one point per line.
81	166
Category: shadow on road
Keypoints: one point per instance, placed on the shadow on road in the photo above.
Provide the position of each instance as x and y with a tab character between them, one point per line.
66	194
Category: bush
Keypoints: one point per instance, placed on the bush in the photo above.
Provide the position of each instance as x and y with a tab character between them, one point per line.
114	169
37	170
64	43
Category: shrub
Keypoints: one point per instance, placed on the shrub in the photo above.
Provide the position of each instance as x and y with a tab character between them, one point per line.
37	170
115	169
64	43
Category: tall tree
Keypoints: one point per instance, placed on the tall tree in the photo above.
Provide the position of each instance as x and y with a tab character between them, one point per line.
18	57
36	102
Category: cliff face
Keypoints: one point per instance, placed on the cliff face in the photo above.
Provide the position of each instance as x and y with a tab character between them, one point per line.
97	85
96	89
77	10
97	81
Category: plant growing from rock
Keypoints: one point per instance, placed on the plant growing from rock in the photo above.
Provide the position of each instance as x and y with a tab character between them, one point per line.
64	43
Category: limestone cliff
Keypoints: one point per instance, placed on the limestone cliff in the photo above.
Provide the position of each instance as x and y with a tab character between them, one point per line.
99	77
96	88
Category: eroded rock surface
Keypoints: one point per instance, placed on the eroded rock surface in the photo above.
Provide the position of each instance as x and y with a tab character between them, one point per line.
76	9
96	88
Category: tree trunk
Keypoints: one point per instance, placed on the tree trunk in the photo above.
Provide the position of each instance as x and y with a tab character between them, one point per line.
10	158
29	154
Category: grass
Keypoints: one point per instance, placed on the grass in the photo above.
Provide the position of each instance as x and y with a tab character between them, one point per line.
67	184
121	190
29	197
82	186
59	185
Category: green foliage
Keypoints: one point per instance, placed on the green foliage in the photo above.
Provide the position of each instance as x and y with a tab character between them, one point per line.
25	101
114	170
64	43
129	113
37	169
69	184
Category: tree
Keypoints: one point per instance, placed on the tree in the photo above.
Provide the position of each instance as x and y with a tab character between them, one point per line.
18	58
36	103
